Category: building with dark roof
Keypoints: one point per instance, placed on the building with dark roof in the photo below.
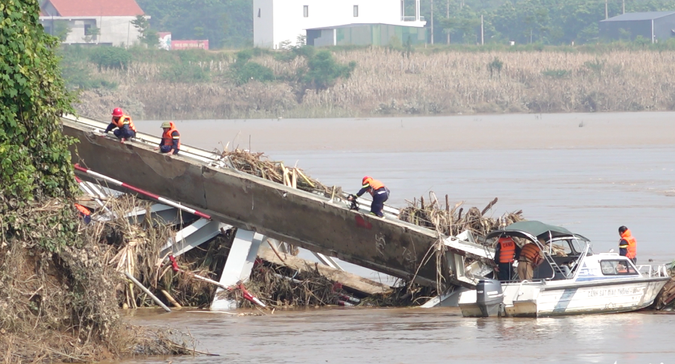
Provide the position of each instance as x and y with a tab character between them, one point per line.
111	18
655	26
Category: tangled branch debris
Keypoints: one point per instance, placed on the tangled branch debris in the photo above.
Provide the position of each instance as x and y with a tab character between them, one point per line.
450	221
258	164
281	288
60	305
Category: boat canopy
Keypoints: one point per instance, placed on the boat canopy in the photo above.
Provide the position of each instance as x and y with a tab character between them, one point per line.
535	229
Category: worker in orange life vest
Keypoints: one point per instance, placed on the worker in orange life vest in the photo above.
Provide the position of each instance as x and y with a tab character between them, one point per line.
627	244
123	123
376	189
505	252
170	138
530	258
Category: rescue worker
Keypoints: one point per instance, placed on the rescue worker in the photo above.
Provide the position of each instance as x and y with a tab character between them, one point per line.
627	244
170	138
125	127
530	258
505	253
376	189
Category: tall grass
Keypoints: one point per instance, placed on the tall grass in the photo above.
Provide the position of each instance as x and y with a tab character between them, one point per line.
388	81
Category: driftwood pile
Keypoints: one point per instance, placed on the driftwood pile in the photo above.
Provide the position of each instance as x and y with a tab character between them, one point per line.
281	288
258	164
452	220
132	246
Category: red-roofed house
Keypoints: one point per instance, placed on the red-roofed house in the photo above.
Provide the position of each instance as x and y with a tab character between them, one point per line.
112	17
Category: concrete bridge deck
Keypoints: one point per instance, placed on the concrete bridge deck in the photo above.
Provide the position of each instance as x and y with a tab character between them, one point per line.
201	180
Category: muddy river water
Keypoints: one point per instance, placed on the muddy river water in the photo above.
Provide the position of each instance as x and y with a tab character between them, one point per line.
588	172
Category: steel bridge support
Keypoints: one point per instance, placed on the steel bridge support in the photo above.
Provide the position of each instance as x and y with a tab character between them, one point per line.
238	265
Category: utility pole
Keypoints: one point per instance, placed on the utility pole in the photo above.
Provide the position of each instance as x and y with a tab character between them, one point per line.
432	22
482	38
606	10
447	16
623	6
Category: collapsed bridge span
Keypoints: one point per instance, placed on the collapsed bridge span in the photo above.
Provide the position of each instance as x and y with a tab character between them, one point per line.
202	180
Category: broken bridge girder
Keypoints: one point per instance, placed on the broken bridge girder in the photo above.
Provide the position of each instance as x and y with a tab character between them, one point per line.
197	179
192	236
464	246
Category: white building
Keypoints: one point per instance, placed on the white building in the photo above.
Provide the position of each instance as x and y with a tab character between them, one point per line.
279	21
111	17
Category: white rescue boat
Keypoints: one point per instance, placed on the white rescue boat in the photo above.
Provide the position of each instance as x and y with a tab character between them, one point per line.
571	280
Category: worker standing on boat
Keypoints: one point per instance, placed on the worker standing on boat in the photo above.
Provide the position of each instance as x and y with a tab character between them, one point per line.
505	253
627	244
125	127
376	189
170	138
530	258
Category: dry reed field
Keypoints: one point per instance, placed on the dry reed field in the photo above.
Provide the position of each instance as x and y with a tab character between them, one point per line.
387	83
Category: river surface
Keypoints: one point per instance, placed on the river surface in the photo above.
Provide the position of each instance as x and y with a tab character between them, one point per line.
590	173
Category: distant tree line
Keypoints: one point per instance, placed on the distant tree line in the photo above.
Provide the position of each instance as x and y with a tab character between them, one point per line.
526	21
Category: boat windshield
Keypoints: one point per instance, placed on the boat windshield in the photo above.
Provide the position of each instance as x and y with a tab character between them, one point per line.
567	246
612	267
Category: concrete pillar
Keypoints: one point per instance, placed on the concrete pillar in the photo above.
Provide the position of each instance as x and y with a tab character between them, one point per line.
238	265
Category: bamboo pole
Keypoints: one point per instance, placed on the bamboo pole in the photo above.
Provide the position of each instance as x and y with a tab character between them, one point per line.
309	182
295	178
147	291
132	298
171	299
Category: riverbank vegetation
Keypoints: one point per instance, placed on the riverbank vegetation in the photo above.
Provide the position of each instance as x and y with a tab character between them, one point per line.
375	81
57	298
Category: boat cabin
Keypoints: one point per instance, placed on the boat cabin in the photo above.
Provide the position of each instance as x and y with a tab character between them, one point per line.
566	254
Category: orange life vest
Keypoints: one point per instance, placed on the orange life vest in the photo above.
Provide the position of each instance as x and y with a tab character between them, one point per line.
507	250
631	249
372	185
85	211
124	119
167	138
531	252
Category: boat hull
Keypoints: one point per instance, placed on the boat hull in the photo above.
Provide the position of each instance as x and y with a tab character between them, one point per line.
554	298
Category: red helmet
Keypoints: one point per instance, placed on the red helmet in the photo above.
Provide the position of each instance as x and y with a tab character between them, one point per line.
117	112
366	180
